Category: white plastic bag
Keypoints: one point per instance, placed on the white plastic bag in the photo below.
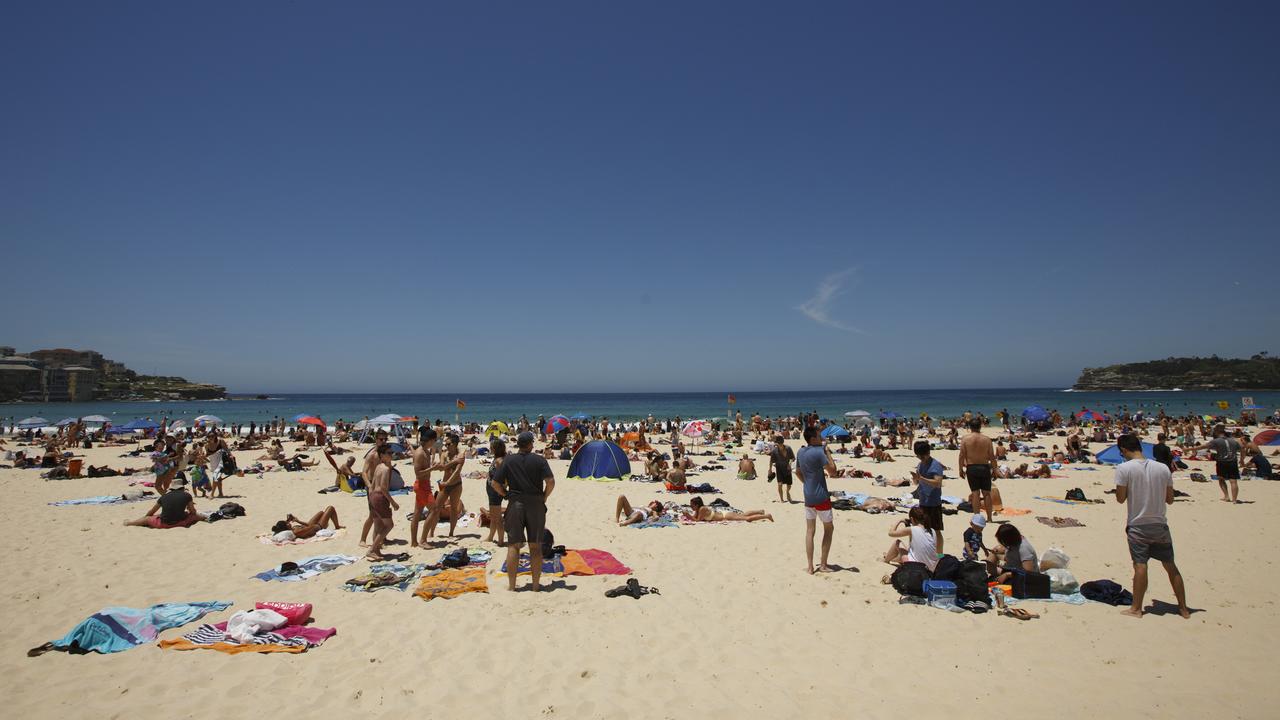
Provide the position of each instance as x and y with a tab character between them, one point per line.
1054	558
244	625
1062	582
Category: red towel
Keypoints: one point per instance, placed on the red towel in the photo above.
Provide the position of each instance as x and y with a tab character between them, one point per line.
604	563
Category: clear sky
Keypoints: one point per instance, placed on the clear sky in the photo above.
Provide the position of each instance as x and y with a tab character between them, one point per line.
591	196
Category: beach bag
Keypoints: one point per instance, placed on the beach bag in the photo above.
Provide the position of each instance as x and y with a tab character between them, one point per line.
1106	591
1032	585
947	568
1054	558
548	544
1076	494
295	613
230	510
909	579
971	581
1062	582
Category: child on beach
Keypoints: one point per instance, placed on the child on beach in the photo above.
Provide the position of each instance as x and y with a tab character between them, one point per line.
974	549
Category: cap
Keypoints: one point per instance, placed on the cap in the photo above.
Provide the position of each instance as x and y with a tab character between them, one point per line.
524	438
979	520
179	482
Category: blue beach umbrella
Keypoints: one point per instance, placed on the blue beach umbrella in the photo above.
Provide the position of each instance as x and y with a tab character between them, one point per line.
139	424
835	431
32	423
1035	413
600	460
889	415
64	422
1112	456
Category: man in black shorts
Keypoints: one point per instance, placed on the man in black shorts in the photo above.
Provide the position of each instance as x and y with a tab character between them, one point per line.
977	458
1226	451
781	458
525	480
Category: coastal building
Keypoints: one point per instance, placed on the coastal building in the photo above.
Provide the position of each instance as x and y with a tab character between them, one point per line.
70	384
64	357
21	378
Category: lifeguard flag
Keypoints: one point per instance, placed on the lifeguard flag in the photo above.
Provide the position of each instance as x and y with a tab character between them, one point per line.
732	400
462	405
1223	404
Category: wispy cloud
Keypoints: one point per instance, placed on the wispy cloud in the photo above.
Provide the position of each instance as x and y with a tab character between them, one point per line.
818	307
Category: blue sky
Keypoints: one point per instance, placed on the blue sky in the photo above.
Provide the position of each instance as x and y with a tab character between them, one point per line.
445	197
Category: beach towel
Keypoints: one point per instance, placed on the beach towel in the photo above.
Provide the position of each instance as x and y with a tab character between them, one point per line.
1062	501
1074	598
1013	511
321	536
97	500
554	566
452	583
574	564
115	629
286	639
1060	522
308	568
664	521
384	576
602	562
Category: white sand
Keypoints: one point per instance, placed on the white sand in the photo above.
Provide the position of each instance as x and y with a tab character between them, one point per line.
739	628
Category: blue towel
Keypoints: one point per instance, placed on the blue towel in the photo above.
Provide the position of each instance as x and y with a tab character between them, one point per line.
115	629
309	567
98	500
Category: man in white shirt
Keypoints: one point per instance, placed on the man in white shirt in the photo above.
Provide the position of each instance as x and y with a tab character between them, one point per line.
1147	487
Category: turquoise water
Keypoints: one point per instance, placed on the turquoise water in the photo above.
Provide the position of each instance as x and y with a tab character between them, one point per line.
629	406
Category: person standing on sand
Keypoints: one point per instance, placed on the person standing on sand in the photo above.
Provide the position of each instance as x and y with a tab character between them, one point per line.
928	477
381	503
371	462
1147	488
1226	451
525	480
422	495
780	458
977	464
450	491
814	465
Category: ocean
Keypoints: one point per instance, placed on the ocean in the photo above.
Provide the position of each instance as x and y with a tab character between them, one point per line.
631	406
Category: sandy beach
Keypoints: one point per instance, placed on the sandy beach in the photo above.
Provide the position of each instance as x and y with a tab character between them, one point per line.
739	627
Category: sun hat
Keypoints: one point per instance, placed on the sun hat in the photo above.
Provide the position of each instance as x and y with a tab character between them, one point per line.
979	520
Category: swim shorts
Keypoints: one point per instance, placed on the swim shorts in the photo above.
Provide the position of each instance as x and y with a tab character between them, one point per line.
380	504
422	495
525	518
188	521
1228	470
979	477
784	478
1151	541
821	511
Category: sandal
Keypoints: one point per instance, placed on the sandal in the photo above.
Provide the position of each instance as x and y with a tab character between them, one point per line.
1019	614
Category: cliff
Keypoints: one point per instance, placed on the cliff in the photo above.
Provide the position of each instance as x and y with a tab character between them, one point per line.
1256	373
154	387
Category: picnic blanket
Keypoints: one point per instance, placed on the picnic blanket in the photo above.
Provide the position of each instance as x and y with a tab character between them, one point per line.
554	566
452	583
1060	522
318	537
308	568
597	562
115	629
384	576
97	500
287	639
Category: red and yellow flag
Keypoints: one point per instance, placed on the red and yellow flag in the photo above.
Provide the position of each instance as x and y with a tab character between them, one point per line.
462	405
732	400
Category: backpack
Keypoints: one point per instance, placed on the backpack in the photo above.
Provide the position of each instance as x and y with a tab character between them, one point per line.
1076	494
946	568
548	544
971	581
909	578
230	510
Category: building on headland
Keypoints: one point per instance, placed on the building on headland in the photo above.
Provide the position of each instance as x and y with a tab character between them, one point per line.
63	375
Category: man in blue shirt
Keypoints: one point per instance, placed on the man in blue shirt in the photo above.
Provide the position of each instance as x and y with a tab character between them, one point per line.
813	465
928	475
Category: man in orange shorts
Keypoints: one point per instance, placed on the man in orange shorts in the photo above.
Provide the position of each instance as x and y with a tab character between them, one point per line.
423	497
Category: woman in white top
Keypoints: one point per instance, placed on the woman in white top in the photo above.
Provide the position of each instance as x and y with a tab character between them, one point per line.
926	544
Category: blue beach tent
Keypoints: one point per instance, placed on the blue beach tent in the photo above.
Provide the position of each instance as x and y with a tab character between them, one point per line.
835	431
1112	456
600	460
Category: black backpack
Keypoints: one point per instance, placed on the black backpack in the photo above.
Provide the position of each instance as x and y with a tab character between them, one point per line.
971	581
230	510
947	568
909	578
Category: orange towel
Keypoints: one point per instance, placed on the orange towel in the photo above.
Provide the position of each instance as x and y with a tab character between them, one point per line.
230	648
1013	511
452	583
574	564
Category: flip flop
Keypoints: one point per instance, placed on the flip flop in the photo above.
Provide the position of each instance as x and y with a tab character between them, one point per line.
1020	614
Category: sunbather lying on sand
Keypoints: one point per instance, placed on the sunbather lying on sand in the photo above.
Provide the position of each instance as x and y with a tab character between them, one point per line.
624	514
303	530
703	513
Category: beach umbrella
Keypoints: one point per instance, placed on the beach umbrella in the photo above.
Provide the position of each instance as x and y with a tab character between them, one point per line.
889	415
857	414
95	420
64	422
600	460
298	418
388	419
209	420
1088	414
631	441
1267	437
835	431
496	428
139	424
32	423
309	420
178	425
1112	456
1035	413
694	428
580	416
556	424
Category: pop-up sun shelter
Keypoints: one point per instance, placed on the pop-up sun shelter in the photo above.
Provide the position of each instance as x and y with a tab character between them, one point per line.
600	460
1112	456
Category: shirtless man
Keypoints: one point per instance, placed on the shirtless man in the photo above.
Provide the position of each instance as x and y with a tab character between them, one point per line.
422	462
450	491
381	503
977	465
675	476
371	462
746	468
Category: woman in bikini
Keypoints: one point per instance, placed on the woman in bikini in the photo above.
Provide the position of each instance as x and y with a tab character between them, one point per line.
625	515
703	513
303	530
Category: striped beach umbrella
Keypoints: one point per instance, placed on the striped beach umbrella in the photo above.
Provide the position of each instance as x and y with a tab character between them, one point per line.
208	420
556	424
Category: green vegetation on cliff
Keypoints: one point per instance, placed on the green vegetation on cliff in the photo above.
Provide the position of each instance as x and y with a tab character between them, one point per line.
1259	372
